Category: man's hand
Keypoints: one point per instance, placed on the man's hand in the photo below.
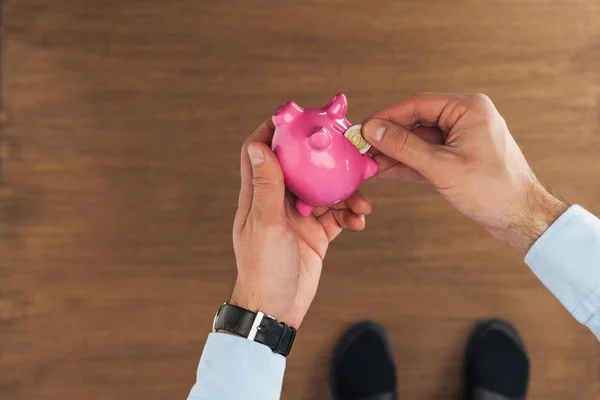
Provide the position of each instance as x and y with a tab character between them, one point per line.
461	144
279	252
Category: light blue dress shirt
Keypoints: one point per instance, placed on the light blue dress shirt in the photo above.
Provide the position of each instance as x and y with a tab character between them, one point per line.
566	258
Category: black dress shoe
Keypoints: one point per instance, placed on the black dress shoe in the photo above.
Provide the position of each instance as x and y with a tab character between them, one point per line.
497	366
363	366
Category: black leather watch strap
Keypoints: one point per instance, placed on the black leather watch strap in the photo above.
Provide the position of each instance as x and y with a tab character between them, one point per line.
259	327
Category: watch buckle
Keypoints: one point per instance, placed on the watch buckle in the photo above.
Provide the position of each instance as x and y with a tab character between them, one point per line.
256	325
260	316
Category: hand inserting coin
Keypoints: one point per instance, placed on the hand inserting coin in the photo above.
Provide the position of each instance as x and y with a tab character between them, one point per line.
354	134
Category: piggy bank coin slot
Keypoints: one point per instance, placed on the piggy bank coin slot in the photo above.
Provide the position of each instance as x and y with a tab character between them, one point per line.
339	129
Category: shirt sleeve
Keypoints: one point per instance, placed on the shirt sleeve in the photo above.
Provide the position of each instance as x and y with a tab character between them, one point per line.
233	368
566	258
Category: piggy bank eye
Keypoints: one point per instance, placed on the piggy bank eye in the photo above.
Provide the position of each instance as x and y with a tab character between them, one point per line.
320	139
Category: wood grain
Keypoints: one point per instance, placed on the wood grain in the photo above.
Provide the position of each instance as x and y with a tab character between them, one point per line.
121	128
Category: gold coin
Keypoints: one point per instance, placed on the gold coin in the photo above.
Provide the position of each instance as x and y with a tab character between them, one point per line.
354	134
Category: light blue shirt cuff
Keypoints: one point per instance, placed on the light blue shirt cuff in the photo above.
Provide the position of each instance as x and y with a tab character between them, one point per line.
233	368
566	258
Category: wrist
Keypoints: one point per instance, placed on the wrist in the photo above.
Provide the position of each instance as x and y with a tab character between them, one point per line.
250	300
255	326
537	211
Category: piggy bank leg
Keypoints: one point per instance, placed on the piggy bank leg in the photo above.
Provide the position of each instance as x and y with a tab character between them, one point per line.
303	208
371	168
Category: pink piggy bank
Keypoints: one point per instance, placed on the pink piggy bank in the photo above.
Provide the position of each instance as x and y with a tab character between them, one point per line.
320	165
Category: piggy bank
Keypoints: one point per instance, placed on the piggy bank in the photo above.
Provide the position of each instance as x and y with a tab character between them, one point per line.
320	165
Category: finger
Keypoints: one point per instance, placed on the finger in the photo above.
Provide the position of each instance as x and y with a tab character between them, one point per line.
430	134
330	224
428	109
334	221
359	204
392	169
264	134
355	222
384	162
401	172
402	145
267	183
318	211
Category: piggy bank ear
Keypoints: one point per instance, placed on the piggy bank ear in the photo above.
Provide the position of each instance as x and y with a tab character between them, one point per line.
337	106
286	113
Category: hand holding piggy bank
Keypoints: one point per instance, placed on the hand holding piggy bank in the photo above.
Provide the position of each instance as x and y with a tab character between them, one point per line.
320	165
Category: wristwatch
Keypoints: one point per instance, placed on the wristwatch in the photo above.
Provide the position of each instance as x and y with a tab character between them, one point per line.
256	326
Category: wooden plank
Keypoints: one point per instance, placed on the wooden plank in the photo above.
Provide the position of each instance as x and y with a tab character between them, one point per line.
121	128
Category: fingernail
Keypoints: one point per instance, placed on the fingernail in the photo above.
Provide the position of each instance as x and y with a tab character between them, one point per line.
374	130
256	155
362	218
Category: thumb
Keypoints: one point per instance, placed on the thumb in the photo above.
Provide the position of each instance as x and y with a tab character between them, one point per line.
267	182
402	145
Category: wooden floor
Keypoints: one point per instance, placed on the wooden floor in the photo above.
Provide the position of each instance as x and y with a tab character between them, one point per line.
121	128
